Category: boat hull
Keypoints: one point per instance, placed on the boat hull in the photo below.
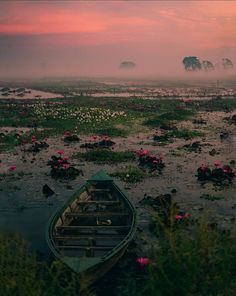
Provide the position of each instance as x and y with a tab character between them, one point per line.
92	249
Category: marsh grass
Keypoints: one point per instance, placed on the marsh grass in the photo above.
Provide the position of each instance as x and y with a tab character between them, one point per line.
192	258
22	274
195	259
112	132
106	156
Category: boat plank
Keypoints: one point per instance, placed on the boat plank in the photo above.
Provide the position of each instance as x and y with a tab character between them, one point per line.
95	227
86	247
96	214
89	236
99	202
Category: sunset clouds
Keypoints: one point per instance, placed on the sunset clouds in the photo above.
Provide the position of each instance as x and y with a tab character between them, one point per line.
114	30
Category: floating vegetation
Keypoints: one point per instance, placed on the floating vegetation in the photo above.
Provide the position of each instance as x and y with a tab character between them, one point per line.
166	118
181	134
221	174
61	167
212	197
150	162
193	147
103	142
70	137
130	174
106	156
112	132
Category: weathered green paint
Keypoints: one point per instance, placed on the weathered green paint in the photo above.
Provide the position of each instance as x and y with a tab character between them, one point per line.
85	264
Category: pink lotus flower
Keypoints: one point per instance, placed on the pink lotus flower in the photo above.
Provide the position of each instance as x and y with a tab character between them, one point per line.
217	163
33	139
203	167
67	134
65	166
142	152
66	158
60	152
12	168
143	261
181	217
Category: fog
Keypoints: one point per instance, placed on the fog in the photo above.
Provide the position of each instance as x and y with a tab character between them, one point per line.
77	39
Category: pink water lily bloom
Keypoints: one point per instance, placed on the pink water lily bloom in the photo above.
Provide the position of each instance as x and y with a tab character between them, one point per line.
66	157
67	134
204	167
143	261
12	168
60	152
65	166
217	163
179	217
33	139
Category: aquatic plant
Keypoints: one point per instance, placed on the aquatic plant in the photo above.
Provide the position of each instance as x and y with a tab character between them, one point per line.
106	156
150	162
221	174
130	174
61	167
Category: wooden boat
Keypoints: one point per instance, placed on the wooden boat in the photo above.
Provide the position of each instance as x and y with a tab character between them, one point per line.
93	229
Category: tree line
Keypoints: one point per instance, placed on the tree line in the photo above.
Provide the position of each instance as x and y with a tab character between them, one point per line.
193	63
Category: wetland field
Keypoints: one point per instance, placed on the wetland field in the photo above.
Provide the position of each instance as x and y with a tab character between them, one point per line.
171	147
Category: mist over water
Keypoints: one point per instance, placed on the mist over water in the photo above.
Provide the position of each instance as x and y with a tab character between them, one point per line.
91	39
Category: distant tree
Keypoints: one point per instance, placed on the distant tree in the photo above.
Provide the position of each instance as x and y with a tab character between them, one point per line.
127	65
227	63
192	63
207	65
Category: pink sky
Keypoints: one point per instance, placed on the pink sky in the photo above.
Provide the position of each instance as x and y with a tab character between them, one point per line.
93	37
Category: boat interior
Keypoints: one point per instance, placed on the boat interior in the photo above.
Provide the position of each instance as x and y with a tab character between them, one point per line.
94	223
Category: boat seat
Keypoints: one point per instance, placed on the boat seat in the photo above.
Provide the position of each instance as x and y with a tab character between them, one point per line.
94	228
89	237
96	214
100	202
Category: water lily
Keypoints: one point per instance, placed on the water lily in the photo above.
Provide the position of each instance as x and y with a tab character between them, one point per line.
181	216
60	152
33	139
65	166
66	158
23	142
203	167
67	134
217	163
143	261
12	168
